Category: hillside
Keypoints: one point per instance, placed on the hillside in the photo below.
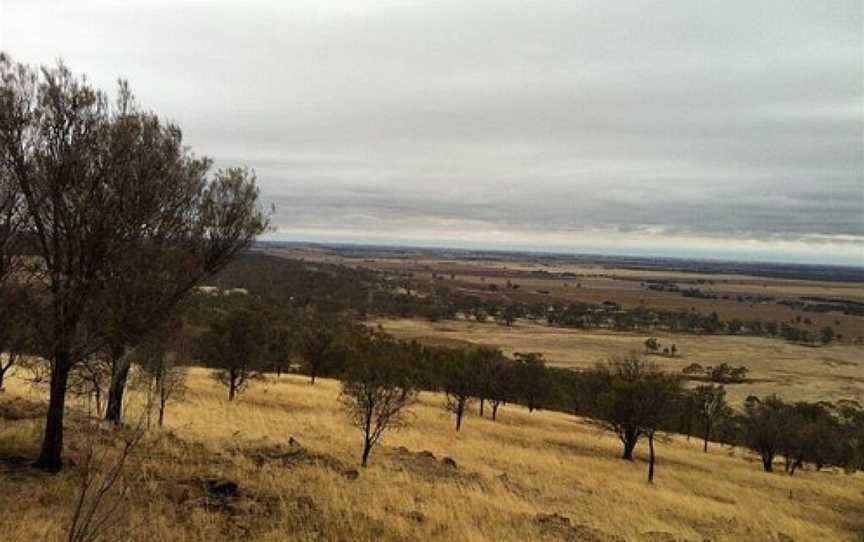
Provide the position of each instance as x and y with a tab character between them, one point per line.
510	478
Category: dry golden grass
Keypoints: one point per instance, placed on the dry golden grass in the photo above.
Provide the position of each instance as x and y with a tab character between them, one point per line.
793	371
508	472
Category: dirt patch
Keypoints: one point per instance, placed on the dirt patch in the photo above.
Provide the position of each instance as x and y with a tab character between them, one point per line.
242	511
292	455
430	467
559	527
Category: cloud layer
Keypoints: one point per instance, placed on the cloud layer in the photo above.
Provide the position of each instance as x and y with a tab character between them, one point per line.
729	129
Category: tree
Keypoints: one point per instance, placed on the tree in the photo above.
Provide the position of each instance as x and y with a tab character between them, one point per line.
318	343
377	387
763	426
652	345
457	379
812	435
17	325
104	190
530	377
656	395
486	361
630	397
236	346
502	384
161	359
710	409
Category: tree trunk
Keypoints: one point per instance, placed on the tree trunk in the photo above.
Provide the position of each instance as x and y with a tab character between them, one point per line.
481	407
630	439
161	413
119	374
367	448
313	378
495	406
797	463
707	435
50	458
232	386
651	457
2	375
459	411
768	462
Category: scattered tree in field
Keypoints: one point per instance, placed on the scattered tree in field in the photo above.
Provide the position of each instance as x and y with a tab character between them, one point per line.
763	427
282	346
377	387
631	398
319	343
812	435
486	361
652	345
90	381
710	409
105	189
236	346
530	368
457	379
162	359
502	384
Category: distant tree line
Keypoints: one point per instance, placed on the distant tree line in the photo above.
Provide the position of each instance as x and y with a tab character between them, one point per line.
335	288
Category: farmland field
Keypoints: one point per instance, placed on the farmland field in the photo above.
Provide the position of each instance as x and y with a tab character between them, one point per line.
793	371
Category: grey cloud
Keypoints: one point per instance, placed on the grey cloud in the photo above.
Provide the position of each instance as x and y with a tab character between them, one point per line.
677	119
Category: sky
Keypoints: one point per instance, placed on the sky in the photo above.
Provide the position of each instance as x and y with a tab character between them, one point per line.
713	129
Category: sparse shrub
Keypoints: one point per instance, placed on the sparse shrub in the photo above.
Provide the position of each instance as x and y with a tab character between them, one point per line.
377	387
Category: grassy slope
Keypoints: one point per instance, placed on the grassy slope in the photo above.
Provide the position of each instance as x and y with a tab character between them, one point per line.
551	463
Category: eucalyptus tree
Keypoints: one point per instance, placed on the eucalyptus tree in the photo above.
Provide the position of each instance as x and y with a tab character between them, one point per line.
122	219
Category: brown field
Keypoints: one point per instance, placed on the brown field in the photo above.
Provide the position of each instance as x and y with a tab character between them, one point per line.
507	473
623	286
793	371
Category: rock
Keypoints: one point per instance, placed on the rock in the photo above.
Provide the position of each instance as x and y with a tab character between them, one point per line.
222	487
351	474
416	516
552	519
448	462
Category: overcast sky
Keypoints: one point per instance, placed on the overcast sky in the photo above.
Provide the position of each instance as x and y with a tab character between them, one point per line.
727	129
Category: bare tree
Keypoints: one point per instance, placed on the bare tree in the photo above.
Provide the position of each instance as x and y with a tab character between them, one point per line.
377	387
161	359
90	381
114	204
102	485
